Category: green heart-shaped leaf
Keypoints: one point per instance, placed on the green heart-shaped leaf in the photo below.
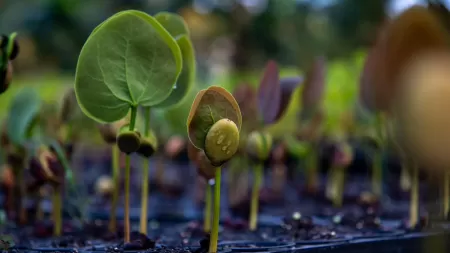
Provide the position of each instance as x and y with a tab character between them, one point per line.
173	23
129	60
23	110
209	106
187	76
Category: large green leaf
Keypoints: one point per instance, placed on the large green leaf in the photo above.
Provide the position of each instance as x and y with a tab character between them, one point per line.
187	76
23	111
129	60
173	23
211	105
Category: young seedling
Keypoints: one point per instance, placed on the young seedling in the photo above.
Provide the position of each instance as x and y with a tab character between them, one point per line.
9	49
177	28
118	70
311	98
424	93
20	126
403	74
213	126
342	157
272	98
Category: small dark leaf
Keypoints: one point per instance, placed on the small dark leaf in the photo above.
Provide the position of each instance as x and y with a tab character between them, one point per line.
69	105
269	93
314	85
245	96
288	85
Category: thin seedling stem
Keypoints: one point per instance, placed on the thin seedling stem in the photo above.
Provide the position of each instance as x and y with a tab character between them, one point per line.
216	215
127	181
145	172
115	154
414	206
255	196
377	173
57	211
311	169
446	195
208	208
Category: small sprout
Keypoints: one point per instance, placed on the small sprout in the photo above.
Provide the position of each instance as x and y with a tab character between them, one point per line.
222	141
104	185
68	107
128	141
213	125
120	70
259	145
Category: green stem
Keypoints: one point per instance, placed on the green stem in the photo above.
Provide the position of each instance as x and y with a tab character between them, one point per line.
446	194
145	173
311	169
216	215
207	211
127	180
255	196
116	180
414	206
377	173
57	211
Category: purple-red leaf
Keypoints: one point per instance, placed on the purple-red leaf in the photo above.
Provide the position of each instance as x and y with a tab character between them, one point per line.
287	85
269	93
245	96
314	85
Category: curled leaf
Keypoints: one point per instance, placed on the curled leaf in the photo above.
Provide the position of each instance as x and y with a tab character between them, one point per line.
211	105
269	93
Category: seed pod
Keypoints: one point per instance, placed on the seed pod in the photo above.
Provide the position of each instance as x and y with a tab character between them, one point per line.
222	141
148	147
128	141
41	165
259	145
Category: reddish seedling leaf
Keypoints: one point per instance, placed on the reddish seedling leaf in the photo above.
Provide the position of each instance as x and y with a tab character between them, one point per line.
209	106
269	93
416	31
314	85
245	96
287	85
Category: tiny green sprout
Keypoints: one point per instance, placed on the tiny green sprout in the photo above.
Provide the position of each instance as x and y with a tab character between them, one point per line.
128	141
118	70
9	49
259	145
213	124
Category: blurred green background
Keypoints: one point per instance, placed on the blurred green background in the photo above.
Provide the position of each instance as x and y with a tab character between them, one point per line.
233	40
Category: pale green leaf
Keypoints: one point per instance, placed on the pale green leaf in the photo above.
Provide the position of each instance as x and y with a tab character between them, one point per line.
129	60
